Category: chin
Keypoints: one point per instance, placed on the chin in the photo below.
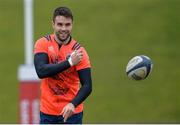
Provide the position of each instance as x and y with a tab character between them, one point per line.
63	39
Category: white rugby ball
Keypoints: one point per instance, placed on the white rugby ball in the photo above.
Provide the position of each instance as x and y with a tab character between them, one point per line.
139	67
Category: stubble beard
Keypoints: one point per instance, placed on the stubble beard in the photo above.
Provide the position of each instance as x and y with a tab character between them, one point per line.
61	40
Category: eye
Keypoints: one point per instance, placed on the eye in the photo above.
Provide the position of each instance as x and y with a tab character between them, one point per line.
59	24
68	24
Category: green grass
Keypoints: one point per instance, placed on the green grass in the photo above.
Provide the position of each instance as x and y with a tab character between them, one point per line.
113	31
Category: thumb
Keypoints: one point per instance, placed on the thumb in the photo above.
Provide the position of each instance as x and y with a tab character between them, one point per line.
62	111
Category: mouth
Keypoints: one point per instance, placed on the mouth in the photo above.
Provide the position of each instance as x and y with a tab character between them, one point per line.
62	35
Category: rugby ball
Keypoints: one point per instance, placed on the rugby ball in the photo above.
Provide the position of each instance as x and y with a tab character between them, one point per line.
139	67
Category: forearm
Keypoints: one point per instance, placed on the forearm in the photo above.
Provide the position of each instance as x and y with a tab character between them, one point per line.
83	93
47	70
86	89
44	69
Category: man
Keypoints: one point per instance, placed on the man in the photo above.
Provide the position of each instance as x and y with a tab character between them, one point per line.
62	63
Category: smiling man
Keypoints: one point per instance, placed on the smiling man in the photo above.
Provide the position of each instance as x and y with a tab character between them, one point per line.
62	64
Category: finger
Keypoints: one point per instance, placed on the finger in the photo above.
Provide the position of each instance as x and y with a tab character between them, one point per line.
74	52
62	111
79	51
65	112
65	119
80	54
70	114
66	116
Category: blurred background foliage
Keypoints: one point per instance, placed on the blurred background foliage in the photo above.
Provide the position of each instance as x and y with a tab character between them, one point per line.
112	31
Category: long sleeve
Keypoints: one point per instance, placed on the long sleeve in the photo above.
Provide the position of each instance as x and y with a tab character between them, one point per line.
86	88
44	69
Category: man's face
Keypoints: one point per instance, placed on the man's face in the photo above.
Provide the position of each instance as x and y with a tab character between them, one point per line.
62	27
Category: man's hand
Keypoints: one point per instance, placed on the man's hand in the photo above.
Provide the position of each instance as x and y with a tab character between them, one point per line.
75	57
67	111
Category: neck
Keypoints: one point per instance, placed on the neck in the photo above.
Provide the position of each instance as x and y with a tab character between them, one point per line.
60	42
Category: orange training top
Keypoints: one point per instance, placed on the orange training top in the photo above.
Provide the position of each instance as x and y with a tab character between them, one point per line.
59	90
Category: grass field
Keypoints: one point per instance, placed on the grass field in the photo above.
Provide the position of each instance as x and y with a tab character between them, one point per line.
113	31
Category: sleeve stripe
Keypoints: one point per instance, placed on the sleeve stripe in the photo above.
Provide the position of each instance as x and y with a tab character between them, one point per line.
48	37
76	46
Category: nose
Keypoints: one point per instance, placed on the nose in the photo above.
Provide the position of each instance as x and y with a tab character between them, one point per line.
63	28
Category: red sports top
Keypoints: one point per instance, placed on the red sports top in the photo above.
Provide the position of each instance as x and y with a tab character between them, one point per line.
59	90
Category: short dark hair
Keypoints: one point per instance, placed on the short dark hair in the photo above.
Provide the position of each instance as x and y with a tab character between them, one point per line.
62	11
